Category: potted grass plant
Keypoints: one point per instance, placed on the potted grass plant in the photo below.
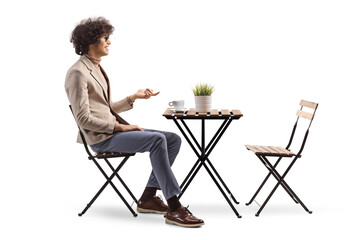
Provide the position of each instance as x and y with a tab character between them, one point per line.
202	93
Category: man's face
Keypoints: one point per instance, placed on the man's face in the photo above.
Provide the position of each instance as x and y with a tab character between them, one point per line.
102	48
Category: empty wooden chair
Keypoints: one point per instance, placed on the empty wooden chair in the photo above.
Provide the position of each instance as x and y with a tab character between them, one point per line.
263	152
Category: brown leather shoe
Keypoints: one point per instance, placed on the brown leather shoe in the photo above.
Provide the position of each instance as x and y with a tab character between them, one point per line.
183	217
155	205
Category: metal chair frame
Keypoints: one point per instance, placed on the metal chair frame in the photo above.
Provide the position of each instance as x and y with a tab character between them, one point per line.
109	179
262	152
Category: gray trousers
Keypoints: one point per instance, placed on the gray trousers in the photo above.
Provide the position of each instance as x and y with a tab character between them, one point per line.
163	148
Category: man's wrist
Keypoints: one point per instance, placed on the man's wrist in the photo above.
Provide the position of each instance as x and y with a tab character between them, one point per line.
133	97
130	99
118	127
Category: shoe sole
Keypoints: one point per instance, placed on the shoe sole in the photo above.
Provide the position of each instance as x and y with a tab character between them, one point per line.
183	225
143	210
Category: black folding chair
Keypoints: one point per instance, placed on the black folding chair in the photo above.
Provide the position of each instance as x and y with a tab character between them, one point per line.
115	171
262	152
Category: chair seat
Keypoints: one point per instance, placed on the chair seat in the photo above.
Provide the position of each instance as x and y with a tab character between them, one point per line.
270	151
113	154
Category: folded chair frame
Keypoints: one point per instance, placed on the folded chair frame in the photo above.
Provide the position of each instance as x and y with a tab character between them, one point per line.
263	152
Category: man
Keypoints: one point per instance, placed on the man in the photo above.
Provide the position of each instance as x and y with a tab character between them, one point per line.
88	89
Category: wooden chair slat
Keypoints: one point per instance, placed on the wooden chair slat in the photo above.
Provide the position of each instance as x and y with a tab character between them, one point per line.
270	150
280	152
252	148
202	113
304	114
276	150
289	153
308	104
261	149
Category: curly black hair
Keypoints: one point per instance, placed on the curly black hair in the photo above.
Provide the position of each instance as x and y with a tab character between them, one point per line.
88	32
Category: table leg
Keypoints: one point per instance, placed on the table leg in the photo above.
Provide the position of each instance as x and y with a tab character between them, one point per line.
191	176
190	133
222	191
187	138
190	173
203	157
214	141
194	170
222	182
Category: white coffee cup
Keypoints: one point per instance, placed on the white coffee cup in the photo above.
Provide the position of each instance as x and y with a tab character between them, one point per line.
178	105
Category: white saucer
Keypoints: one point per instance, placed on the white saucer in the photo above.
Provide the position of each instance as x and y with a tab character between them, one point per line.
174	111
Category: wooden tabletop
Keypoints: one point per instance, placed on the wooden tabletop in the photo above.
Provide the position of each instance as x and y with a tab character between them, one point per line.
213	114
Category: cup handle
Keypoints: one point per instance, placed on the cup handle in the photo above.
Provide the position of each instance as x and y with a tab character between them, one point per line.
171	104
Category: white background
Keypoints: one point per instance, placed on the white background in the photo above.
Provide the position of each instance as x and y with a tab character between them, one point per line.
261	56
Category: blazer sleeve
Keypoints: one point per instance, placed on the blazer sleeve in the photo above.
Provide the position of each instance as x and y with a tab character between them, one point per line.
121	106
77	91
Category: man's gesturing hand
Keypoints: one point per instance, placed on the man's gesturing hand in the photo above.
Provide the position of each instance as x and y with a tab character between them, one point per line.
143	94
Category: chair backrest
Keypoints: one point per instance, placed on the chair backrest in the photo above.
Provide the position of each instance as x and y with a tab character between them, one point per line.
306	115
82	137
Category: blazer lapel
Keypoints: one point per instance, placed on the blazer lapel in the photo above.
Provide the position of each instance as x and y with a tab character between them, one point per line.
108	84
117	116
96	75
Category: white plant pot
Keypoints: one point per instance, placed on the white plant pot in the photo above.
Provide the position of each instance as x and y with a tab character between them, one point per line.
203	103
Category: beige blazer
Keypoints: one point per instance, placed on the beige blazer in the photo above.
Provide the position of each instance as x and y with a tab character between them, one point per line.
89	96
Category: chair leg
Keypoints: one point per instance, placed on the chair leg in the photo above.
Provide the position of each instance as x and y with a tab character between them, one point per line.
290	191
281	181
122	181
109	181
262	184
284	184
272	170
93	199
